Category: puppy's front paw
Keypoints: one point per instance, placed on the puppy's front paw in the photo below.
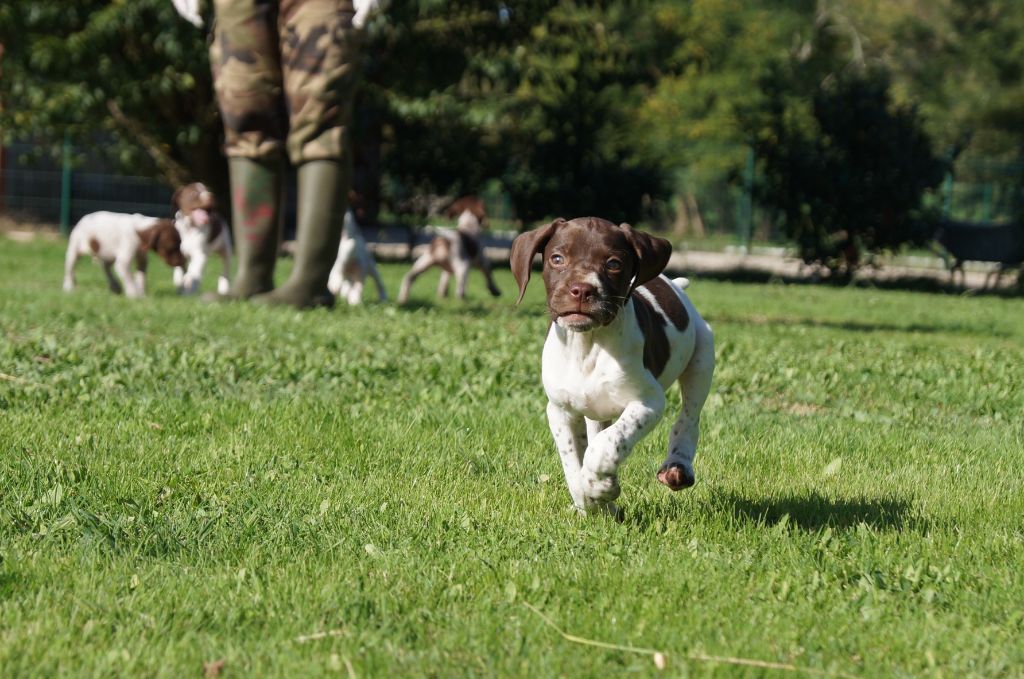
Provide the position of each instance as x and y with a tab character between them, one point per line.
599	489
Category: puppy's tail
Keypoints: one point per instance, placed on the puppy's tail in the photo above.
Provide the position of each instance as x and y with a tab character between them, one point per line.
681	283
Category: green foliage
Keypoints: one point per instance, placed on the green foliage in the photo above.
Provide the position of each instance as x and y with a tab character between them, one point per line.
183	483
66	64
570	107
542	99
719	53
850	179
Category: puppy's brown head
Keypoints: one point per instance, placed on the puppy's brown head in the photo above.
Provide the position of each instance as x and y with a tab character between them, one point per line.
590	267
196	202
163	239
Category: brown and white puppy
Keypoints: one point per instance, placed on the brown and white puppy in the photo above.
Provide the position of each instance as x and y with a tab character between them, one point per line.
117	241
354	263
620	335
455	251
203	232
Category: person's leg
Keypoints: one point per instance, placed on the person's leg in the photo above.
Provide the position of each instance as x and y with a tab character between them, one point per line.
245	59
319	78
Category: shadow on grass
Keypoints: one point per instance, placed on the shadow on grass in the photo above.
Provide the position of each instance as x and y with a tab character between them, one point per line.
470	307
857	326
809	512
814	511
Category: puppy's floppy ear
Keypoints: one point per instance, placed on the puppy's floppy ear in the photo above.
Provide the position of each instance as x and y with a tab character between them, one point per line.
524	247
652	255
175	205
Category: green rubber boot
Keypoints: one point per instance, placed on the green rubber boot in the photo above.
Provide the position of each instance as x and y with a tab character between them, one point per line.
322	201
256	210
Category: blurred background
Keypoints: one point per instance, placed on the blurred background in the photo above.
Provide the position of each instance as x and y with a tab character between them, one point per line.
832	129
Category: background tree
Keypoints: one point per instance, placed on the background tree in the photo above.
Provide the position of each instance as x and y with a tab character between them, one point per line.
851	179
132	80
569	106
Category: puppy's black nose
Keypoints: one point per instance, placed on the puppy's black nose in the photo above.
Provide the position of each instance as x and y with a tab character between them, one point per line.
584	292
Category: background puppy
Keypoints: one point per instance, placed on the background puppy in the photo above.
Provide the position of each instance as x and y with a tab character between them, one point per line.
354	263
620	335
455	251
203	232
117	240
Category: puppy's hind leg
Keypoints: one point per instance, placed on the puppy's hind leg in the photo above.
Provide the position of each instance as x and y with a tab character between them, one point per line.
485	266
443	284
382	292
695	384
461	271
595	427
112	282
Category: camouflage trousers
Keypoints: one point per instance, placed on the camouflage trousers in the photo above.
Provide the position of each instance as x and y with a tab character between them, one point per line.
284	72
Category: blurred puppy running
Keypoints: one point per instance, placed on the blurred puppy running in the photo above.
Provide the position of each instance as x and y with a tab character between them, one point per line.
354	263
117	240
620	335
203	233
455	251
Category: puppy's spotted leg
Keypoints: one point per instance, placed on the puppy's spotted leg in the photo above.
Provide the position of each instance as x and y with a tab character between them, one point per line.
461	271
609	448
570	434
422	263
694	384
442	284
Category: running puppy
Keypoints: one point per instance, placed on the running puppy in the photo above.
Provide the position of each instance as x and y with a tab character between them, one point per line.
620	335
117	240
354	263
203	233
455	251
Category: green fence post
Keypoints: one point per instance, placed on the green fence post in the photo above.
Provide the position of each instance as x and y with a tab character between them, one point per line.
65	186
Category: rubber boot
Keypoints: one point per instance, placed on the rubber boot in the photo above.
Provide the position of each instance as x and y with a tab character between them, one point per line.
256	210
322	201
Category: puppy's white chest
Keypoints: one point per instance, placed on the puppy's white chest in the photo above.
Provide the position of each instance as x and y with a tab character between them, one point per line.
591	383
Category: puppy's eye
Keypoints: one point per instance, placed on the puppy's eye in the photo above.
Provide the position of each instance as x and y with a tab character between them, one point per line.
613	265
557	260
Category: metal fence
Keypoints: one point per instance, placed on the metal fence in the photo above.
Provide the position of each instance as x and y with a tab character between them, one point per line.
43	190
46	190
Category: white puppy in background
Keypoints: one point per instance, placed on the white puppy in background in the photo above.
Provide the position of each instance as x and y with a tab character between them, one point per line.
354	263
120	241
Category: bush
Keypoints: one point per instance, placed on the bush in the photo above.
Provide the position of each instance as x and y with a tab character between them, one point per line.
848	179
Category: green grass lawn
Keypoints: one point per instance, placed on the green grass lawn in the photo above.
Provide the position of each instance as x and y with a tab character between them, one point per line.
182	483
